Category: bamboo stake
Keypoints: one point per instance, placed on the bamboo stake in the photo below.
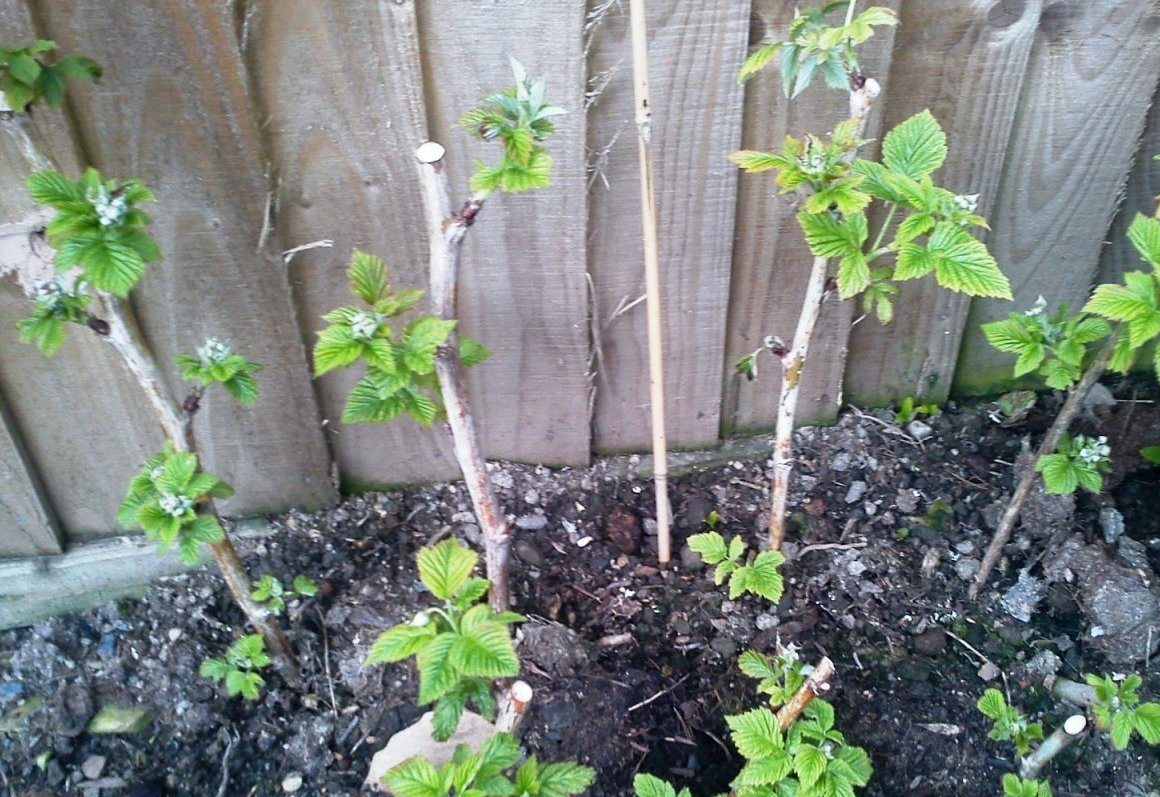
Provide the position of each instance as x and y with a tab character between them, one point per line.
648	218
793	361
1050	440
817	683
446	231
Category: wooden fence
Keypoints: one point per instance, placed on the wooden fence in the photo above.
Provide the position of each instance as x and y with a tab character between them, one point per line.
263	125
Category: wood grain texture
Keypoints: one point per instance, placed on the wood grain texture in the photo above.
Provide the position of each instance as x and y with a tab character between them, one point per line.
74	424
965	62
694	50
341	137
173	110
1119	256
771	262
1091	75
523	287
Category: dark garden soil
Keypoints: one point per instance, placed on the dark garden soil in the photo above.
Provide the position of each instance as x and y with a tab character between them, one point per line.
634	667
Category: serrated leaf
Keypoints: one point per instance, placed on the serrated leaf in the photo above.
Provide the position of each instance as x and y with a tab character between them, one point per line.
915	147
1121	730
992	704
1144	233
437	676
754	161
446	713
755	665
335	349
756	733
206	529
1121	302
400	642
853	275
767	771
1059	473
830	237
757	61
368	277
736	548
564	778
415	777
1029	359
1147	722
762	576
859	763
217	669
485	651
646	785
809	764
49	187
421	339
913	226
445	568
962	263
710	545
472	352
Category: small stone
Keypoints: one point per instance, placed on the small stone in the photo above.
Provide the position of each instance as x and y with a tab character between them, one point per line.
966	568
840	462
855	492
919	430
471	533
531	522
650	527
1132	553
174	634
114	719
724	645
502	479
93	766
765	621
690	559
870	508
1112	522
1020	601
989	672
931	642
529	553
292	783
1044	663
532	498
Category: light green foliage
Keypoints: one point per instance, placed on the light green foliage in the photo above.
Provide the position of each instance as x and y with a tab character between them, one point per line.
909	409
1120	712
1151	453
400	375
163	499
520	118
1051	346
270	591
56	305
1078	461
931	237
1015	786
646	785
814	47
1010	722
458	647
1136	302
98	227
780	676
758	574
811	759
26	78
215	361
239	668
491	772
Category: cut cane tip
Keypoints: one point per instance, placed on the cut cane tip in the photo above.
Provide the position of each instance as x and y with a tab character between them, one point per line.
430	152
1075	724
521	692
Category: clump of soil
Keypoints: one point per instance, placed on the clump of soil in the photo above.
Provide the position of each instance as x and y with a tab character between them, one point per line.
634	666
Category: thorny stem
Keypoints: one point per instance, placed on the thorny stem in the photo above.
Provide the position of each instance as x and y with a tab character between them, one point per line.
817	682
119	328
793	361
1051	439
446	231
1060	739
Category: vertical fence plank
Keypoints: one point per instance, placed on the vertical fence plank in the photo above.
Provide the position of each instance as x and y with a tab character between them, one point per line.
74	423
771	262
694	51
26	526
173	110
965	62
1119	256
1091	74
523	290
341	137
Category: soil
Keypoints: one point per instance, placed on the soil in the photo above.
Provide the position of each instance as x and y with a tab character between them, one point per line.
634	667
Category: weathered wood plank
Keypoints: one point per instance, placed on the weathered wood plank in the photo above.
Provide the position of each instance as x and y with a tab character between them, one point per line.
1119	256
771	262
173	110
1090	77
79	406
341	137
523	287
965	62
694	49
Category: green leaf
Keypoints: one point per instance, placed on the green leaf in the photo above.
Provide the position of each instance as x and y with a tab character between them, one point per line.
206	529
755	665
754	161
1147	722
962	263
216	669
858	762
915	147
243	388
472	352
484	651
756	733
767	771
1144	233
445	716
400	642
646	785
335	349
497	754
25	69
444	568
1127	302
1121	730
415	777
809	764
913	226
830	237
421	339
710	545
366	404
49	187
109	264
853	275
1151	453
760	577
993	705
842	195
368	277
1059	473
437	676
757	61
564	778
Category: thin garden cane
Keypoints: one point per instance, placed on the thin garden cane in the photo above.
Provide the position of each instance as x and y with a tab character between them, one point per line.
793	361
115	324
446	231
648	218
1067	413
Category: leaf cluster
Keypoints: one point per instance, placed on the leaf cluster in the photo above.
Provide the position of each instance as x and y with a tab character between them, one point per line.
26	78
1015	786
1052	346
1078	461
239	668
1120	712
519	118
270	591
1010	724
815	47
214	362
810	759
490	772
757	574
459	647
1136	302
910	409
400	376
55	305
163	499
98	227
780	677
931	237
